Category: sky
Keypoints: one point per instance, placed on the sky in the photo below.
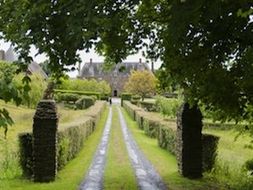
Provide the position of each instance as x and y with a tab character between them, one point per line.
85	57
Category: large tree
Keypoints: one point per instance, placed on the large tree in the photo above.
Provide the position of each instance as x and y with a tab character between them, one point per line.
60	29
205	47
142	83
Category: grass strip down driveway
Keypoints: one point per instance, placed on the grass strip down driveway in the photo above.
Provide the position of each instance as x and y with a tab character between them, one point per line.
69	177
118	171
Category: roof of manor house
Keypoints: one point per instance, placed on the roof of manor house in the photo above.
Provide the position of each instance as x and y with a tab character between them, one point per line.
95	69
10	55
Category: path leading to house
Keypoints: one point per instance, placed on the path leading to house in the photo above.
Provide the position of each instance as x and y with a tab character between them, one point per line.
147	177
94	176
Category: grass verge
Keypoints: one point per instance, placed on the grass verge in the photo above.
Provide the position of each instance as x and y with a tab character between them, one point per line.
165	163
118	171
72	174
234	149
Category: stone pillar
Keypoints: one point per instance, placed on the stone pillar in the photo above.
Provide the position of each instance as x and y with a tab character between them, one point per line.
45	141
189	141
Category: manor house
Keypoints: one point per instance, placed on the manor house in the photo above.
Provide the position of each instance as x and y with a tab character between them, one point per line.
116	77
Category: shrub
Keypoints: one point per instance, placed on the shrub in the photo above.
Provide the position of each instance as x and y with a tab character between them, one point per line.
136	97
101	87
249	165
85	102
151	127
125	96
167	139
38	86
168	106
105	97
26	154
68	97
148	106
209	146
71	139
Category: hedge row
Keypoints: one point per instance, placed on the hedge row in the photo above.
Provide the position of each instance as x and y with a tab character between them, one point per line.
85	102
155	126
87	93
67	97
125	96
70	140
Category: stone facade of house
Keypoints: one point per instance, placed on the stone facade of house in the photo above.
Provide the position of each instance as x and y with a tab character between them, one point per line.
116	77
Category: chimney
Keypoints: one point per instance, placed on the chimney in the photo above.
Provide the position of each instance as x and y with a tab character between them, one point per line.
90	60
2	57
140	61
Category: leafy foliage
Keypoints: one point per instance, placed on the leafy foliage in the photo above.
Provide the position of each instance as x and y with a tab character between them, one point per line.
206	47
86	85
34	94
61	28
8	92
85	102
142	83
168	106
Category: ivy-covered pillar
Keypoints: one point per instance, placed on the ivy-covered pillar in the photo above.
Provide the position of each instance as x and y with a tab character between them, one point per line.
45	141
189	141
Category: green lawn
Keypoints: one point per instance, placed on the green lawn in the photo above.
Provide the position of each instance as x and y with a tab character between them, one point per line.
69	177
232	154
165	163
118	172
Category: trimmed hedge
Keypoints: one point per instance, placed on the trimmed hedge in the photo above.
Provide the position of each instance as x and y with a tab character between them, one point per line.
71	137
87	93
85	102
154	125
125	96
26	153
67	97
210	146
148	106
167	139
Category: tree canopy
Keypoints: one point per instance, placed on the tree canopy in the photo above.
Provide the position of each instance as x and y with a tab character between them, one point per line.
205	46
142	83
61	28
